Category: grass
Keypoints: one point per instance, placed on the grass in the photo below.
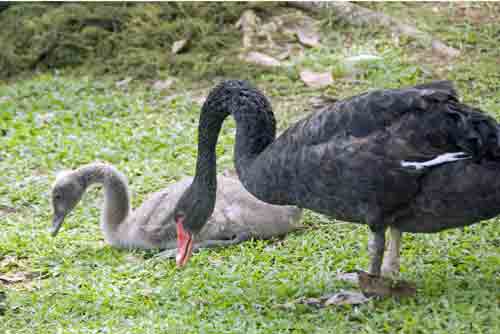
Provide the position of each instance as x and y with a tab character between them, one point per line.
77	284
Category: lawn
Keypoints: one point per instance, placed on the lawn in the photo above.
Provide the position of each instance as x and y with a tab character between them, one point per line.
75	283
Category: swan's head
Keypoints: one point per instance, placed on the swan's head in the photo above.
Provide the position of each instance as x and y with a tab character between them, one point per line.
191	213
66	193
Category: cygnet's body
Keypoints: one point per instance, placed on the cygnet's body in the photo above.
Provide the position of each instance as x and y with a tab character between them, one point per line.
238	215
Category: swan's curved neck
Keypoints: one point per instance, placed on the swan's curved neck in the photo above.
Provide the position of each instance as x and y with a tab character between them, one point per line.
255	127
117	197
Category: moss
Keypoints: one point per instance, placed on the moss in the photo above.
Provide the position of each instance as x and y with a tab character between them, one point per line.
123	39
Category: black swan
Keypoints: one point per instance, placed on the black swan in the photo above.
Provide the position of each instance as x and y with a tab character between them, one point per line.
237	215
413	159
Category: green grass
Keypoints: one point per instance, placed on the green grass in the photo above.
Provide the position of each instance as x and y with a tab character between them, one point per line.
78	284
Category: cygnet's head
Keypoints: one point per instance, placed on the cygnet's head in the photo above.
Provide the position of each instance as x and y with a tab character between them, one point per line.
66	193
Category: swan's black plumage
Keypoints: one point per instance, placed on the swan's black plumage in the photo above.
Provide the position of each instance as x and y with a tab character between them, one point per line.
345	160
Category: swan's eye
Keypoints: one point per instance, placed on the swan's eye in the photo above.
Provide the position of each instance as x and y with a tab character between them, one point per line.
57	197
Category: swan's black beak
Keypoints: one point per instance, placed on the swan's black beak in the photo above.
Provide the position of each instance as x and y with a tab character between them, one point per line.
184	244
57	222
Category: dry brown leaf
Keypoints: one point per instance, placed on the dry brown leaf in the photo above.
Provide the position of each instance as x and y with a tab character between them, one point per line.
315	79
261	59
179	46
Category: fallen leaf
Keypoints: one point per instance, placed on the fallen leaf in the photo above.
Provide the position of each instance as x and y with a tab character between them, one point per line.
346	298
308	38
315	79
11	278
160	85
261	59
179	46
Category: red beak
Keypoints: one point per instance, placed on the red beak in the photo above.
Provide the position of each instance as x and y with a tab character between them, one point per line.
184	244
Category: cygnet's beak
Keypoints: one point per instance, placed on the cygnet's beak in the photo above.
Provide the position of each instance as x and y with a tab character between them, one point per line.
57	222
184	244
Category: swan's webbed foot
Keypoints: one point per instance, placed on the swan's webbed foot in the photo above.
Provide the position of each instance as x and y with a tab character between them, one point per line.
372	283
391	264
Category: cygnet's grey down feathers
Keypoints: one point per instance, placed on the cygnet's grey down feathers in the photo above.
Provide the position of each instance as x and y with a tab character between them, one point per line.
237	214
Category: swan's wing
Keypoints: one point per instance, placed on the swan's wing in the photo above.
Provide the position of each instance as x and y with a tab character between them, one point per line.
346	160
363	115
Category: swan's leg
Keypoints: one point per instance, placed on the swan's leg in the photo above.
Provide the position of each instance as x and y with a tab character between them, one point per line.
390	266
376	247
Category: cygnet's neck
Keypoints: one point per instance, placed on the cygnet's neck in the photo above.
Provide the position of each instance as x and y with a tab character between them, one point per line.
116	196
